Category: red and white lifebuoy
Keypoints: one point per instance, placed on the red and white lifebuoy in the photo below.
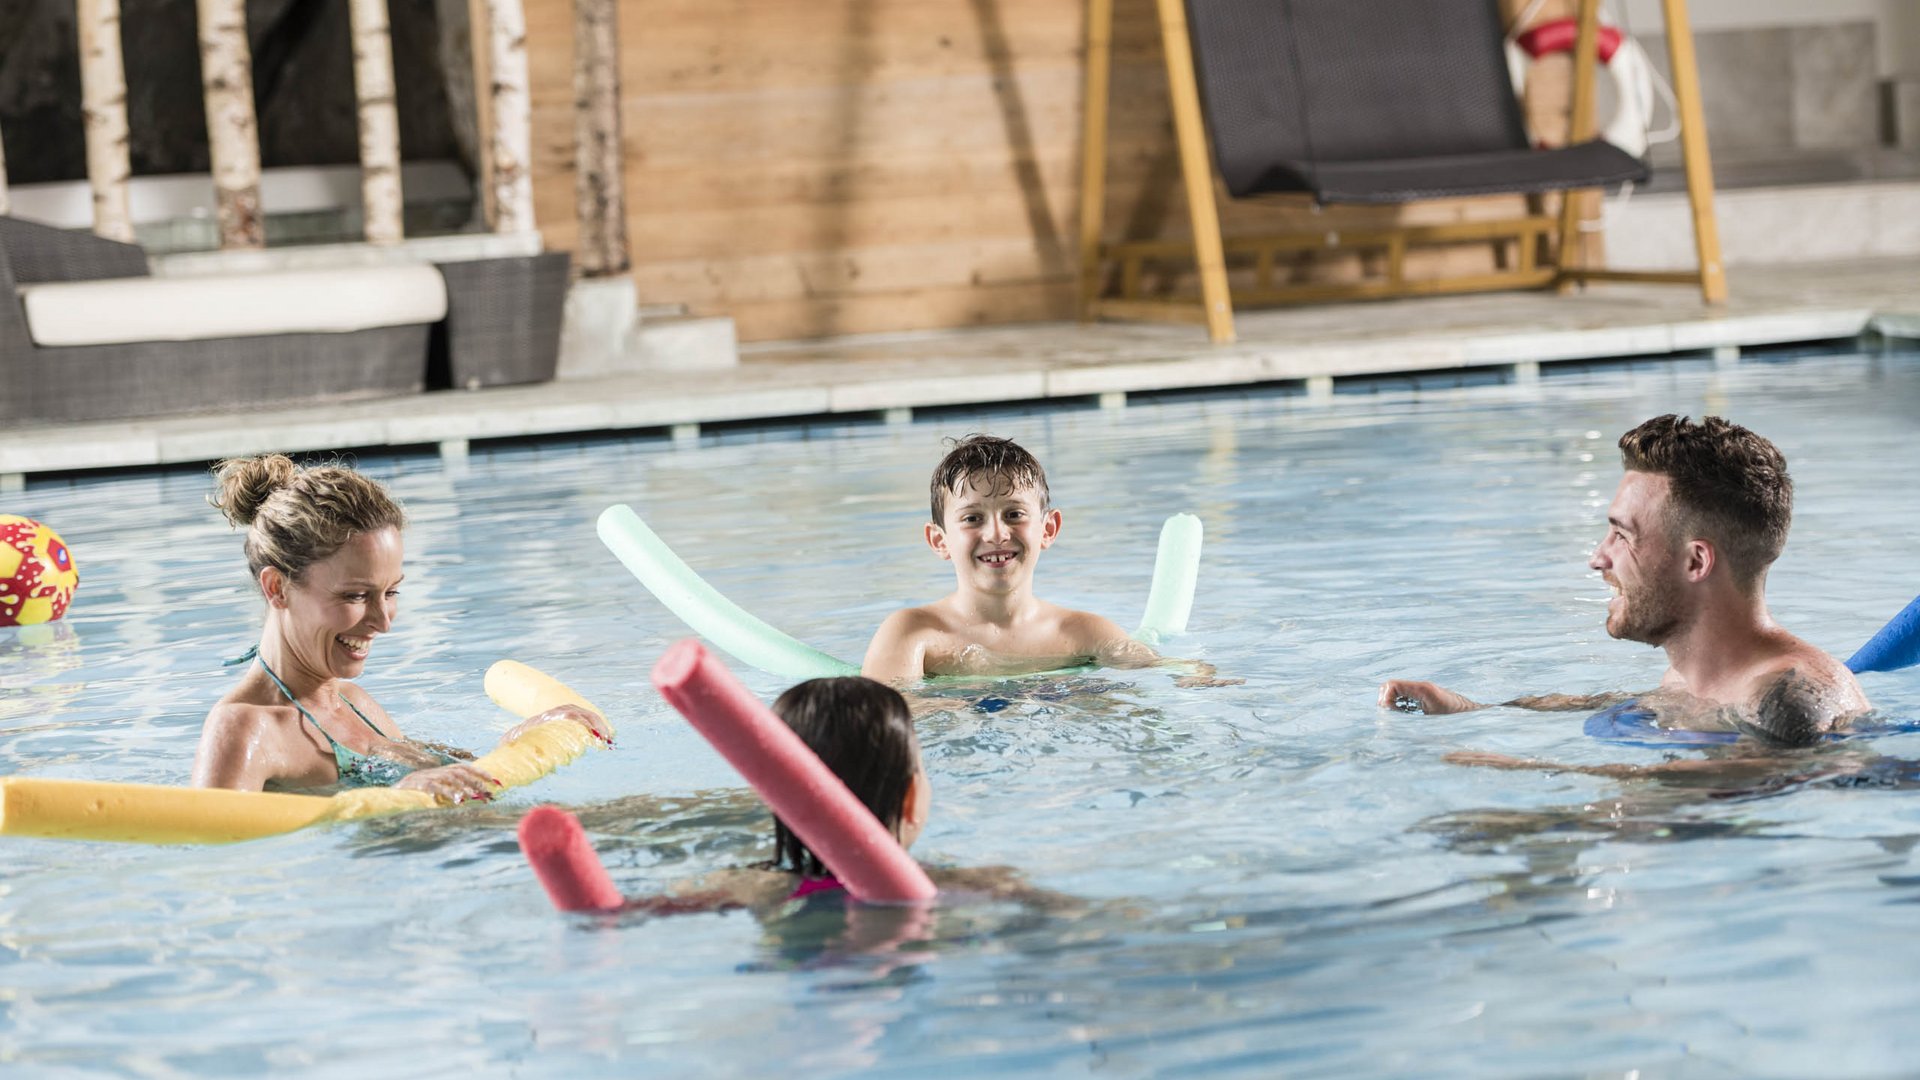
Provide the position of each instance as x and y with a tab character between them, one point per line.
1626	65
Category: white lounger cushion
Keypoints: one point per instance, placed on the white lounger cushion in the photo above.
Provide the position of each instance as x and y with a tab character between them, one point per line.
119	311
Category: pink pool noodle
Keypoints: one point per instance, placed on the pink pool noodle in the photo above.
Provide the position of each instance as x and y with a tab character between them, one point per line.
791	778
564	861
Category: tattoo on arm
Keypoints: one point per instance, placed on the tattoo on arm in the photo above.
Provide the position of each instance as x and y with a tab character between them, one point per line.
1793	711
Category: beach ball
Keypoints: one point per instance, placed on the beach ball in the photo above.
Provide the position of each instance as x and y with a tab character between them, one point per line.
37	575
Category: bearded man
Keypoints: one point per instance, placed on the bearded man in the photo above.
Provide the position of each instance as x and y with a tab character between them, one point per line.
1700	515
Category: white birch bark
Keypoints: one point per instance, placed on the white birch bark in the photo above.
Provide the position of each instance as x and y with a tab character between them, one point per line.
510	143
380	197
103	104
233	137
598	178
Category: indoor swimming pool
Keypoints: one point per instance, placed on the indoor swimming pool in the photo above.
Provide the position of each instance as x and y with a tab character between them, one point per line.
1271	878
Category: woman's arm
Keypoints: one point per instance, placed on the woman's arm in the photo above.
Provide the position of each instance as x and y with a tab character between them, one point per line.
585	717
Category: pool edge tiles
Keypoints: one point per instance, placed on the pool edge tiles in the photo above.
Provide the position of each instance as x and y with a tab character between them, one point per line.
1005	364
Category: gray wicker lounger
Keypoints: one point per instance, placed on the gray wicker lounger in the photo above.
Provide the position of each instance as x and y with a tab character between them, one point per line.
501	325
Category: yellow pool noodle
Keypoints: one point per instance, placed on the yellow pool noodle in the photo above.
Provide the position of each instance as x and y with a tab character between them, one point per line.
164	814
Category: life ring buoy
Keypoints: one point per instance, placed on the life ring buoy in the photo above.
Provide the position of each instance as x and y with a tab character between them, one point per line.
1621	58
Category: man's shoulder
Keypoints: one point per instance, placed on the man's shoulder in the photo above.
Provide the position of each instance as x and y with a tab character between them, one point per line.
1804	693
1802	663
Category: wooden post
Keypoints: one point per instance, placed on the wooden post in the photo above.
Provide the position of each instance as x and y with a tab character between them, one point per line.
510	139
381	201
1586	55
1196	171
103	103
1093	152
1693	151
599	173
233	140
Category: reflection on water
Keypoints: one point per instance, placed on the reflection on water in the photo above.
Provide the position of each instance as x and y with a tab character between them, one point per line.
1276	877
30	657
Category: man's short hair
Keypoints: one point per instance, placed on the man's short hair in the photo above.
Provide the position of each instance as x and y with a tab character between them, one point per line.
1728	484
985	460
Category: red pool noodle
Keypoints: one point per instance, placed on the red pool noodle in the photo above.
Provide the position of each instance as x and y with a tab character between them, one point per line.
793	781
564	861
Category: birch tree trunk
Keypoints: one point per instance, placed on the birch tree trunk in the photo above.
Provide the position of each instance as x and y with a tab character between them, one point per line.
480	57
510	143
233	137
103	104
380	197
598	177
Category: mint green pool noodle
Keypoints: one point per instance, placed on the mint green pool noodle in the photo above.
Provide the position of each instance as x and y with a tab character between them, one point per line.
741	635
732	629
1176	570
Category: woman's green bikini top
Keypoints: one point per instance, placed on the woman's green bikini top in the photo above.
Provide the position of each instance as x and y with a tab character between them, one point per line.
357	770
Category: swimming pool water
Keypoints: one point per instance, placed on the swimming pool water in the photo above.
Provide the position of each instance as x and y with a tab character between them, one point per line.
1279	878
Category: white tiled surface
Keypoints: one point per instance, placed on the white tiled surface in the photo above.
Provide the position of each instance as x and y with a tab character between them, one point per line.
1769	305
1772	226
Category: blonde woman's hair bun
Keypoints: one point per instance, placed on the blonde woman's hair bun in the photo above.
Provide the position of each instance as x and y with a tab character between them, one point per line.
244	484
296	517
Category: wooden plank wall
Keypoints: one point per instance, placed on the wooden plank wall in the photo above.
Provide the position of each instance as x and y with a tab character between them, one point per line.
848	166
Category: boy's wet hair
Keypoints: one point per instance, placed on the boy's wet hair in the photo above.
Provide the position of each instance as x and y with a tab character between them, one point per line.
985	458
1729	485
862	731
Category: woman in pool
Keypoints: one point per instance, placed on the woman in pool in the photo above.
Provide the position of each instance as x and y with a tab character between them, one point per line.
323	545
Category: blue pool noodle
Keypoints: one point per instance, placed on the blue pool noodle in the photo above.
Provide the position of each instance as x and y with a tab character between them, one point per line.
1896	646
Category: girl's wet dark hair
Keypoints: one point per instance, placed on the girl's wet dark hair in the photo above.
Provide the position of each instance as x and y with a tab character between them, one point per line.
862	731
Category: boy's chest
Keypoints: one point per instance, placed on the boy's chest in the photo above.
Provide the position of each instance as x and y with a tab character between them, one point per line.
1002	651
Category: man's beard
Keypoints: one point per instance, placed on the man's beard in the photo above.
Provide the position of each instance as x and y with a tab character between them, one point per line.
1650	614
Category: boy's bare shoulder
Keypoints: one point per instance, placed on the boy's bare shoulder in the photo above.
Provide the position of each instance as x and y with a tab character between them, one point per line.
1097	635
915	621
1088	624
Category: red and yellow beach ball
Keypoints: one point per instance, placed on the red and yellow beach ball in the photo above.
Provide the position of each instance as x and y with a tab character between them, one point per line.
37	575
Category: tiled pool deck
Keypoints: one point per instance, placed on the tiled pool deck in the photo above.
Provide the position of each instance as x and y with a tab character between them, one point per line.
895	374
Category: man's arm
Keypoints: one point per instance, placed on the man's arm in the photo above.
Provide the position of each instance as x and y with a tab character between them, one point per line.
1568	702
1411	695
1740	768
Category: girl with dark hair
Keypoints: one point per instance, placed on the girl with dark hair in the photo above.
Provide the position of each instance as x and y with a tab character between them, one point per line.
862	731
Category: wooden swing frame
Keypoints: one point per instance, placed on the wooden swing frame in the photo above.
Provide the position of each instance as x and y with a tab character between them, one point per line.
1214	306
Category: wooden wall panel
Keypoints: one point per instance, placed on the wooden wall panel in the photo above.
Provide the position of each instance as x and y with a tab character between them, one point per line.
845	166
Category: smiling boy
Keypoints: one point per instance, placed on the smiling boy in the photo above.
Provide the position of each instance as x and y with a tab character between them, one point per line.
991	519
